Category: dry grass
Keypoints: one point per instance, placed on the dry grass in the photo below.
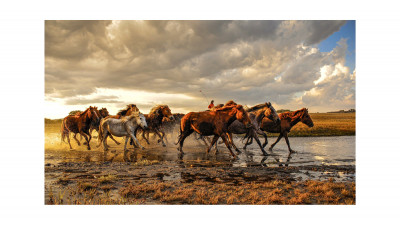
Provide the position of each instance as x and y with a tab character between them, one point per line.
202	192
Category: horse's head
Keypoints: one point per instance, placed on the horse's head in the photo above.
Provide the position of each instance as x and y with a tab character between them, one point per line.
132	108
271	114
94	114
166	112
306	118
242	115
141	120
104	112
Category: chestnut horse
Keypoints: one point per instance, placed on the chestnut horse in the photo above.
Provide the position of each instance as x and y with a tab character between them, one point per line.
288	120
80	124
214	122
154	122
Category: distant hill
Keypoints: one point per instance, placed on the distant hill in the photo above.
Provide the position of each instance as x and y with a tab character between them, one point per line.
343	111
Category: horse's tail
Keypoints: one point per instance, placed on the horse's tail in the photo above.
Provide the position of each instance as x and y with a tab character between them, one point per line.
184	125
179	136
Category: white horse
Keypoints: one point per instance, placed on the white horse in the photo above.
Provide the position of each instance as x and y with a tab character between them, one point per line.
124	127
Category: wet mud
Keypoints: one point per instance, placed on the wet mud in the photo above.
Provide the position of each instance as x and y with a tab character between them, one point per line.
67	172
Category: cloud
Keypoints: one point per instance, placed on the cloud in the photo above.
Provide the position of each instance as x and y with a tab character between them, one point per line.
249	61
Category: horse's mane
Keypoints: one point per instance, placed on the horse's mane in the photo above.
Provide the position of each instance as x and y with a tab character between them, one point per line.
285	115
230	102
256	107
225	108
123	112
156	108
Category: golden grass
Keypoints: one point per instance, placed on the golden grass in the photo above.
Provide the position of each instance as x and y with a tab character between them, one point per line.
326	124
202	192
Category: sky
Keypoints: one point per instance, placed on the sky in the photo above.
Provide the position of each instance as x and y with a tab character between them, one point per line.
292	64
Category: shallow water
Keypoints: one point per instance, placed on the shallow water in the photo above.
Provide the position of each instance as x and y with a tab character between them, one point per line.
309	151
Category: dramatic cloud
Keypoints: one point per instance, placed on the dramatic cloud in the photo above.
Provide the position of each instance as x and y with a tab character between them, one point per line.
248	61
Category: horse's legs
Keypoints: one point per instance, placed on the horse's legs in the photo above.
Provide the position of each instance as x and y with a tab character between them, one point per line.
112	138
265	137
69	142
79	144
277	140
126	142
287	142
86	138
182	138
135	140
161	137
259	144
143	135
105	135
224	138
214	140
164	136
231	142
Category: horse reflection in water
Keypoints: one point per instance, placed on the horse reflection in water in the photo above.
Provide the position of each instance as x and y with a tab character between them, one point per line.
125	127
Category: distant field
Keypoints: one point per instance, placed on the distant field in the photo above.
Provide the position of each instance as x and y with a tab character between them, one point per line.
325	124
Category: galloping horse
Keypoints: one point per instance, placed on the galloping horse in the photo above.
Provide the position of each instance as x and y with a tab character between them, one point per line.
80	124
129	110
125	127
288	120
256	113
215	123
154	120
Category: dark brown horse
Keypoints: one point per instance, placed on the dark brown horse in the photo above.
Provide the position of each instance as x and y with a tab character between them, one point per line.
215	123
154	122
288	120
95	126
256	113
80	124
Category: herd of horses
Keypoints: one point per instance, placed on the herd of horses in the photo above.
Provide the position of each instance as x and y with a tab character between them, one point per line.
221	121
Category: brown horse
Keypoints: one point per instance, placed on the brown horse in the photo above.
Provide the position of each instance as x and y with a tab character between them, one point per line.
288	120
95	126
215	123
154	122
80	124
256	113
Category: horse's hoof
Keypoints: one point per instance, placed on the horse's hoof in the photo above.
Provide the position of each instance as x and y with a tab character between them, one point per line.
164	145
265	153
292	151
118	143
142	148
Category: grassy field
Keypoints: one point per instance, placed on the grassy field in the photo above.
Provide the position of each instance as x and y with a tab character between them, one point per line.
325	124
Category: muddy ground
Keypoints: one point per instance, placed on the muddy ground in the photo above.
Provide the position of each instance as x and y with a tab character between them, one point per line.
159	175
